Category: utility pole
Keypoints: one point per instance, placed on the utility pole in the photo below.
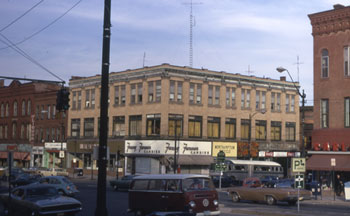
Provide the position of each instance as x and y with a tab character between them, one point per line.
101	208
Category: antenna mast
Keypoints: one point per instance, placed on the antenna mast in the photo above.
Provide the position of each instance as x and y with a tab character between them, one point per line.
298	63
144	59
249	71
192	24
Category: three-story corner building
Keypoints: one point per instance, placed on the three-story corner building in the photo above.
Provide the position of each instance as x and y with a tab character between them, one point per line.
152	109
331	134
29	124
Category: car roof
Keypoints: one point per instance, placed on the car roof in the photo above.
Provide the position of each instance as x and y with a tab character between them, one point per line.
170	176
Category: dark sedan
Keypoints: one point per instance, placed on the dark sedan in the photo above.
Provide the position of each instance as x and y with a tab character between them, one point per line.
25	179
39	200
123	183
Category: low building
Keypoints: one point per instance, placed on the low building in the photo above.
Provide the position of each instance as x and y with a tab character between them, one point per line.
154	106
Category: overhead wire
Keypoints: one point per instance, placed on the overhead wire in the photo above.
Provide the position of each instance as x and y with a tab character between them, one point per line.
44	28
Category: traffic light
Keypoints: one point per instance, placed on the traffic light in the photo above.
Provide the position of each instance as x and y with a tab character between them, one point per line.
62	100
65	99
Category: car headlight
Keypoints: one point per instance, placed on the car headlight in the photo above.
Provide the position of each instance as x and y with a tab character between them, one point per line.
216	202
192	204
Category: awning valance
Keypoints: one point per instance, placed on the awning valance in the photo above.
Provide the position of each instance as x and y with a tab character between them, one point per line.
322	162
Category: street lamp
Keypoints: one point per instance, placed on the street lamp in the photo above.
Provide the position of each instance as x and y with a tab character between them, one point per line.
303	96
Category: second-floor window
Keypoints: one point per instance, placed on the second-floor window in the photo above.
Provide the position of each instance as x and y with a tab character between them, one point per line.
324	113
175	124
195	126
88	127
2	110
324	64
135	125
230	128
213	126
14	130
245	129
290	131
275	131
75	128
260	130
153	125
119	126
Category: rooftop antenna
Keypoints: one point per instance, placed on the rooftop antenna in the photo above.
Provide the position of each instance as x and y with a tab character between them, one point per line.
192	24
298	63
144	59
249	71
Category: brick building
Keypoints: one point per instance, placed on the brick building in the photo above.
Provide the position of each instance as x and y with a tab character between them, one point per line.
331	134
29	121
203	108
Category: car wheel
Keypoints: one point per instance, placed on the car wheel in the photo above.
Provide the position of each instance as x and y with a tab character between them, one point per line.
270	200
235	197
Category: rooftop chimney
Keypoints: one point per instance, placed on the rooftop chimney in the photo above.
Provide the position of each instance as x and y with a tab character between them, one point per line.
283	78
338	6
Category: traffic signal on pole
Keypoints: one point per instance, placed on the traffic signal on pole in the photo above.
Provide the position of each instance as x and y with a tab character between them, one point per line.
62	100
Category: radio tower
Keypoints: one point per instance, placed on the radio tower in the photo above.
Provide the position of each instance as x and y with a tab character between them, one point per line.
192	24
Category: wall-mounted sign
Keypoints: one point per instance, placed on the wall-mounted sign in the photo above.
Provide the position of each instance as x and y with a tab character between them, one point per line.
230	148
56	145
167	147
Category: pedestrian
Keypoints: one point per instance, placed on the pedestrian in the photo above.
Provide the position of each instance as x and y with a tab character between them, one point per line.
339	185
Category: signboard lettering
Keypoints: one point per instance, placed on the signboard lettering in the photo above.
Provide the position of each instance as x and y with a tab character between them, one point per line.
298	164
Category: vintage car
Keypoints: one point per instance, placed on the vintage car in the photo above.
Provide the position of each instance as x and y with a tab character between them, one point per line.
52	172
61	183
39	200
123	183
24	179
271	196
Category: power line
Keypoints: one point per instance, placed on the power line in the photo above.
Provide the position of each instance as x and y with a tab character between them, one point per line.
25	55
44	28
18	18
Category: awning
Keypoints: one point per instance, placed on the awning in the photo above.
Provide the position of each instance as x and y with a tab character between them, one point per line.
195	160
323	162
16	155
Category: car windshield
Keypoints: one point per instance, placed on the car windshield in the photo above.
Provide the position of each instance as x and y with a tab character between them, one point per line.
42	191
191	184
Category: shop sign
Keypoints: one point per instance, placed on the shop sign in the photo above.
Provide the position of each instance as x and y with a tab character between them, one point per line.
268	154
167	147
280	154
229	148
38	150
56	145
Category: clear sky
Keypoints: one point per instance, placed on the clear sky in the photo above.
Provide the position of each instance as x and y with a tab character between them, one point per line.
228	35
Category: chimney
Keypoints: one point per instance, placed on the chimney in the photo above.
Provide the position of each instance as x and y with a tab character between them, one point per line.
2	83
283	78
338	6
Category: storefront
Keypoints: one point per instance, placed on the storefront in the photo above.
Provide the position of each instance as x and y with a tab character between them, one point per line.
159	156
37	156
282	157
54	155
21	155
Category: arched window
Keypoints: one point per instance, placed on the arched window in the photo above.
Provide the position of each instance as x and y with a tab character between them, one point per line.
15	108
325	64
23	107
29	107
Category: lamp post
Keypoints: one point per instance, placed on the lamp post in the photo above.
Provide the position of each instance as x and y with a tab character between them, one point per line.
303	96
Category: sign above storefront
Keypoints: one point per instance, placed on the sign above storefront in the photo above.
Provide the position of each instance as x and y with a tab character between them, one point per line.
230	148
278	154
56	145
167	147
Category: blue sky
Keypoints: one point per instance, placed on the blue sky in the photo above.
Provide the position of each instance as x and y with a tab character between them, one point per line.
228	36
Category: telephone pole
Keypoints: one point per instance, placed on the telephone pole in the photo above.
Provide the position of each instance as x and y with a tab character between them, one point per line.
101	208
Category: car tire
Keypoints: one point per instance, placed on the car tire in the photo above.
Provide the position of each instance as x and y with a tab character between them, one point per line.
270	200
235	197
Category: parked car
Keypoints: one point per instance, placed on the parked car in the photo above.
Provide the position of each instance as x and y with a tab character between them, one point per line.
269	181
24	179
269	195
226	181
173	193
123	183
14	173
39	200
251	182
61	183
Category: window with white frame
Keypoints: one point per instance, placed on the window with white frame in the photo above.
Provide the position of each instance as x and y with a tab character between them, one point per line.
88	127
210	94
135	125
133	94
217	95
347	112
75	128
172	90
324	113
158	90
153	125
150	92
292	103
139	92
325	64
290	131
263	100
179	91
346	61
199	94
191	93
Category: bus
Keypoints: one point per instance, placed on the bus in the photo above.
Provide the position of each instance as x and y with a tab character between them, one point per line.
241	169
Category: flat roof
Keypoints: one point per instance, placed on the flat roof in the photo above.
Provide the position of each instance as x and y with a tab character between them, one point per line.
171	176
